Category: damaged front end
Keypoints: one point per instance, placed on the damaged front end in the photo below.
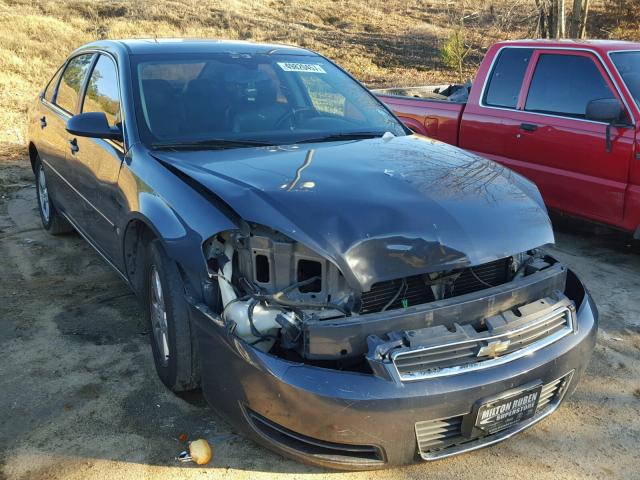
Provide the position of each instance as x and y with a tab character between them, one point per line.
282	298
335	375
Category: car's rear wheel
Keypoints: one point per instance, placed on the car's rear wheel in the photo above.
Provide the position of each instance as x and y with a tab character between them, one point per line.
52	221
174	348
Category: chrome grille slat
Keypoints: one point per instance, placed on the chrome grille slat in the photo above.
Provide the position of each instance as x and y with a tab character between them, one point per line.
538	332
546	397
437	351
547	393
425	361
543	404
457	356
433	434
428	432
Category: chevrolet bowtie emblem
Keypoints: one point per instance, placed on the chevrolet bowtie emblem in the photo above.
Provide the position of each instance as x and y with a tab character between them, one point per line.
494	349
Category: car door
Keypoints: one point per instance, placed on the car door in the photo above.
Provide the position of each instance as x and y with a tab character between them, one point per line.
59	102
563	152
96	162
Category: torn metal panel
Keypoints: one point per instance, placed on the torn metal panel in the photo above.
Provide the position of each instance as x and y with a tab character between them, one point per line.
348	337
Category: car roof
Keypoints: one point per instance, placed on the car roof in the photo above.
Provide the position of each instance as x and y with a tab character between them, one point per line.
181	45
600	46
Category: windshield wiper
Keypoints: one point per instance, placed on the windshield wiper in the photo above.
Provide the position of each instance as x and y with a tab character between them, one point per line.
213	143
341	136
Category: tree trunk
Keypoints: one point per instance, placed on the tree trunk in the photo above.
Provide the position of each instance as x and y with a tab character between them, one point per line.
583	19
576	16
541	26
557	19
560	16
550	22
579	18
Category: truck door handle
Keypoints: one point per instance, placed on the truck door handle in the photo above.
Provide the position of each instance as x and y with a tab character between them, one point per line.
528	127
74	146
43	122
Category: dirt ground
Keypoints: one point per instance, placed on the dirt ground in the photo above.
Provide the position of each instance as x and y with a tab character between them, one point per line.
79	398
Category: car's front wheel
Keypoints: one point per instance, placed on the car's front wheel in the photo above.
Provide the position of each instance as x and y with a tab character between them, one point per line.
52	221
174	348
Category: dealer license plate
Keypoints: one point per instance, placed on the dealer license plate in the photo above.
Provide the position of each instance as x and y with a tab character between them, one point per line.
502	413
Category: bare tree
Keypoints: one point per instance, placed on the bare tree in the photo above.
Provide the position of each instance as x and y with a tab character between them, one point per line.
560	18
551	19
579	18
543	28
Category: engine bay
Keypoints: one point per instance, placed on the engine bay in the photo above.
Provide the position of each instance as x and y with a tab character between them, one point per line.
277	295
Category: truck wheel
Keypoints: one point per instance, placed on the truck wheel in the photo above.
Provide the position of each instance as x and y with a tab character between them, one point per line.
52	221
174	349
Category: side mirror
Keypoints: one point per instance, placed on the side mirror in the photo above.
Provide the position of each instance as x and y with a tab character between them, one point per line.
93	125
609	110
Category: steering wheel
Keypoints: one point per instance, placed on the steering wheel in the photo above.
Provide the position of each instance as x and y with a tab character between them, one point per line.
294	115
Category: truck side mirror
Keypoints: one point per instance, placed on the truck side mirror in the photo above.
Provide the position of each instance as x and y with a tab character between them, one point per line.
608	110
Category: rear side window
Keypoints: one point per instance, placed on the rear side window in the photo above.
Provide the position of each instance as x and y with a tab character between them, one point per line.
506	78
564	84
102	91
71	82
51	86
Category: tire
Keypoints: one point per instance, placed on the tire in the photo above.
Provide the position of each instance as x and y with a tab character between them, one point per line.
175	352
52	221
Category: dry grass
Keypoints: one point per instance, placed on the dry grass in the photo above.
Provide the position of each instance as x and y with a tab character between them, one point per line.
381	42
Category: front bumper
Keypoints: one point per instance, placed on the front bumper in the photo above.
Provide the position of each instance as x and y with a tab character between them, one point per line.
348	420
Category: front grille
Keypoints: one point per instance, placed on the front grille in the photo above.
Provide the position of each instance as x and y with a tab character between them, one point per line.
549	394
417	291
438	434
343	453
505	337
435	437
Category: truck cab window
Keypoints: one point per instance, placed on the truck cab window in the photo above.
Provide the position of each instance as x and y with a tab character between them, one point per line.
564	84
628	65
503	86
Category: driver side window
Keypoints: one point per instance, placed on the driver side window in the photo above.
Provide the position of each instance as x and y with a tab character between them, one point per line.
102	93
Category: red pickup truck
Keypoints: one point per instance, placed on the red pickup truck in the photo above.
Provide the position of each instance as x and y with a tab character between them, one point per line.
565	114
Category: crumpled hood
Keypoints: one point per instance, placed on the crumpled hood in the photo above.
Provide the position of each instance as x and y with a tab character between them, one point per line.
379	209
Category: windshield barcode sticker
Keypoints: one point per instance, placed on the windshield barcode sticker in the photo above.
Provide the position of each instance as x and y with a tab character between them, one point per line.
301	67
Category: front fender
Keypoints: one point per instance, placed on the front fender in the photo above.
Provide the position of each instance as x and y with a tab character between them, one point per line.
179	216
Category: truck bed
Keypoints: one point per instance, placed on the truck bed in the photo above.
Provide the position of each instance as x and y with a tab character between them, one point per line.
434	111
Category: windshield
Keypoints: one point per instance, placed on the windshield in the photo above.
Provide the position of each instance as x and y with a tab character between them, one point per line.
628	65
241	99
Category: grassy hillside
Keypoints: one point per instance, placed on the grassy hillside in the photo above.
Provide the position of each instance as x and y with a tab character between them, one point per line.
382	42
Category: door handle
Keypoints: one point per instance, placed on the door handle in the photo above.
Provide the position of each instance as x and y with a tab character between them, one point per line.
528	127
43	122
74	146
